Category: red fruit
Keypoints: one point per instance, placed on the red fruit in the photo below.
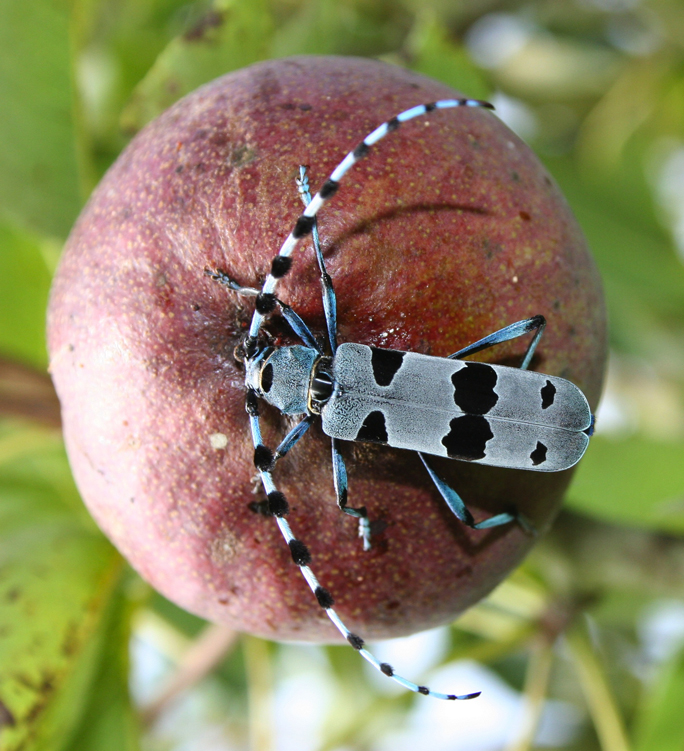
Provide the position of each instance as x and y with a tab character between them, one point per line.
449	230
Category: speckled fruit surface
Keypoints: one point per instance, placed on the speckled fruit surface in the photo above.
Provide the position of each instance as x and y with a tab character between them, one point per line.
449	230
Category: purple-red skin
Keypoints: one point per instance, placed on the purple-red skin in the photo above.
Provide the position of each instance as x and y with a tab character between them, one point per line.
449	230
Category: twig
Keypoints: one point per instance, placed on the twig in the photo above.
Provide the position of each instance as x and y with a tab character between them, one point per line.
202	656
28	393
602	555
536	686
260	691
600	701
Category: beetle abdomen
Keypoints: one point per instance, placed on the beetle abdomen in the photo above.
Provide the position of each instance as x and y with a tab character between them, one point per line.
490	414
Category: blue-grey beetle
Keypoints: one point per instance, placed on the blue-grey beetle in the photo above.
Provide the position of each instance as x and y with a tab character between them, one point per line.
477	412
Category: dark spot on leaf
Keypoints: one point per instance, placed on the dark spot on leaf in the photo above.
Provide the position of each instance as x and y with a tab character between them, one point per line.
71	642
6	717
210	20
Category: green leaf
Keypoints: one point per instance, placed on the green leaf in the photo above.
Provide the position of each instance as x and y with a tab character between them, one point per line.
635	480
57	578
231	35
108	721
433	54
658	724
642	274
25	273
39	175
598	692
188	624
317	28
340	27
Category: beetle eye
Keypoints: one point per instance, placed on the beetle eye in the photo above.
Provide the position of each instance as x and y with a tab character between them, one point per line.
267	378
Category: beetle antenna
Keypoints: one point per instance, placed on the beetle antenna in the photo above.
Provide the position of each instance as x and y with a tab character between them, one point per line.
266	301
306	222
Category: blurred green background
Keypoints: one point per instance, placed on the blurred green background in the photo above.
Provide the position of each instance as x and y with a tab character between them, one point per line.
583	647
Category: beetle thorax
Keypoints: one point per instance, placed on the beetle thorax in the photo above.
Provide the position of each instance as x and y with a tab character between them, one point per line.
282	375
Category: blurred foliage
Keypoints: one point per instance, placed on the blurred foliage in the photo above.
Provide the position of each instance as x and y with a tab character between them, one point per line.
597	88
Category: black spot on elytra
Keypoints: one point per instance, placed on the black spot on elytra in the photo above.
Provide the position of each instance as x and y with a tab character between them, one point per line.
386	363
373	429
474	388
467	437
538	456
548	394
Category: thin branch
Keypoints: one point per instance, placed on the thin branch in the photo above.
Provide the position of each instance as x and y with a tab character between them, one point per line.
260	692
602	555
202	656
536	687
28	393
600	701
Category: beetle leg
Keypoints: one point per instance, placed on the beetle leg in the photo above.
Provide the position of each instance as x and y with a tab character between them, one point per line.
536	324
456	504
328	292
340	481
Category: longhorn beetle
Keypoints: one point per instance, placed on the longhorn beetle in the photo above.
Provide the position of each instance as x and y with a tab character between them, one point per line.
490	414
